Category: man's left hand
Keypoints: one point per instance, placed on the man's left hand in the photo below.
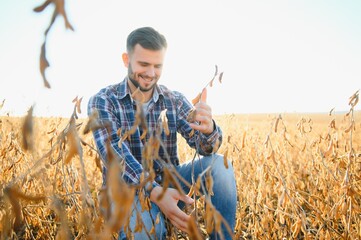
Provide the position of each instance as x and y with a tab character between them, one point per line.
203	115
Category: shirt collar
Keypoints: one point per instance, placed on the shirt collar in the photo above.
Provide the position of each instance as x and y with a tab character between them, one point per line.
124	90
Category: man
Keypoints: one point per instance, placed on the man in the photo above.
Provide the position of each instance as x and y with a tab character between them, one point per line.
117	106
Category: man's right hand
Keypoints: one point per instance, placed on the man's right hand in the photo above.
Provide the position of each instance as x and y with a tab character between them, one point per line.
168	205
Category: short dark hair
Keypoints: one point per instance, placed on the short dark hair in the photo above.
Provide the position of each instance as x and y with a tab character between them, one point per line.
147	37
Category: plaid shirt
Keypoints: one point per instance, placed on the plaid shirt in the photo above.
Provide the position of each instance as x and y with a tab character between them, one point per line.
116	107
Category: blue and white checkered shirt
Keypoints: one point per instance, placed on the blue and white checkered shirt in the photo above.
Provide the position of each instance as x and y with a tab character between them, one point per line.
116	107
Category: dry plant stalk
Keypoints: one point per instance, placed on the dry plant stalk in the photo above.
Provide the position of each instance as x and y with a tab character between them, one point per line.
14	195
27	130
193	112
193	230
118	194
73	142
58	10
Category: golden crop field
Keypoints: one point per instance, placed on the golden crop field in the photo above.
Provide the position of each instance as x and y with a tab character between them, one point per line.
298	177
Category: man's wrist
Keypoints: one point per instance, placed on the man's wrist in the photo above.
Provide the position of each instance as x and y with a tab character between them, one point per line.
149	186
214	128
154	193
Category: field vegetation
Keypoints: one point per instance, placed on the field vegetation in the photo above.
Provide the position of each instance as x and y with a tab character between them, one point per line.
298	177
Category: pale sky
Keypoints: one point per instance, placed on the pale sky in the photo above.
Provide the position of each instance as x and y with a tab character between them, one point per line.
277	56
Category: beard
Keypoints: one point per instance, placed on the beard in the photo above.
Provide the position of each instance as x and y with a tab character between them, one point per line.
134	79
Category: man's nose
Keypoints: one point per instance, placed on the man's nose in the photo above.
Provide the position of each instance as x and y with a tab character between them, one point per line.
151	72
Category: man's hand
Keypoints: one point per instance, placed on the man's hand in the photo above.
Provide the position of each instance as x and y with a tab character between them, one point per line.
203	115
168	205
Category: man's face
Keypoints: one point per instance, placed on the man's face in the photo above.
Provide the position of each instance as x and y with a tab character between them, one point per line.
144	67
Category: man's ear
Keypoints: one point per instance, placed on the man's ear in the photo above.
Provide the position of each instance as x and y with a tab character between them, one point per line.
125	58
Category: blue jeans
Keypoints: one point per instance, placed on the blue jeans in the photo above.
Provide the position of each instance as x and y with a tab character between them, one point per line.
224	198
